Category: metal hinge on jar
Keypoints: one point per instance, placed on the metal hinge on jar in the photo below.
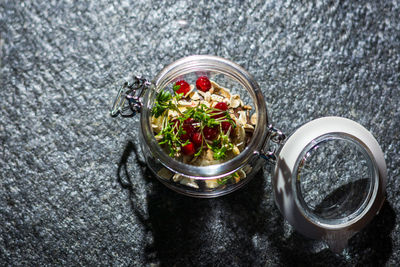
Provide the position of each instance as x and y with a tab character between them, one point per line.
271	150
128	101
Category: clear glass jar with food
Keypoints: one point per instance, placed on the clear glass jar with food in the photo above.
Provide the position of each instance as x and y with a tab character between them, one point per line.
205	133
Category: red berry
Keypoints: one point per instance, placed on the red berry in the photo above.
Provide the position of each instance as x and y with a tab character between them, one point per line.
189	121
210	133
184	87
189	129
222	106
203	84
197	139
188	149
225	125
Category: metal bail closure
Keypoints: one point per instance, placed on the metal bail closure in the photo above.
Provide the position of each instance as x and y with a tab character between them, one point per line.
330	180
128	100
271	149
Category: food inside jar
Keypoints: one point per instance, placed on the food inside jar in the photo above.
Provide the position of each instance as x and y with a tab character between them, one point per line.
202	125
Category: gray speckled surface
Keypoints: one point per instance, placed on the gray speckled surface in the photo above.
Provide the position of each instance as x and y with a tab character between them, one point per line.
75	192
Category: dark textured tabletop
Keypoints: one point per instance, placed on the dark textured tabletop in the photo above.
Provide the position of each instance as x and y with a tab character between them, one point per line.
74	189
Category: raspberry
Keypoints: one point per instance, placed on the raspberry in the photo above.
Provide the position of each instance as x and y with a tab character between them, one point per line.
203	84
184	87
188	149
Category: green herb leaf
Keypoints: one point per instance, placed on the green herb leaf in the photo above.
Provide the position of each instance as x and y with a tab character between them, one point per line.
162	103
178	96
225	180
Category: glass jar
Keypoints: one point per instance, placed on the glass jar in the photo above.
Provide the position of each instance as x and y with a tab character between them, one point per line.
329	176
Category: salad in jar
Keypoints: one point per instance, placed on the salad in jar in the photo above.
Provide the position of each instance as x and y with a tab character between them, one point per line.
202	124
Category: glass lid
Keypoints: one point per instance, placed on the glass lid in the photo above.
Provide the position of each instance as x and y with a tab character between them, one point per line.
330	179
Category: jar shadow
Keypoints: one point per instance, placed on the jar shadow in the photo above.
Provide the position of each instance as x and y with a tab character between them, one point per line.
372	246
243	228
190	231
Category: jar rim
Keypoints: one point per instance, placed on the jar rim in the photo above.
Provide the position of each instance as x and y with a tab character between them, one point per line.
205	63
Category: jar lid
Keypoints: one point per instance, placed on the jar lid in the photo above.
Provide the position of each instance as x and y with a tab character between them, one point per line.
330	179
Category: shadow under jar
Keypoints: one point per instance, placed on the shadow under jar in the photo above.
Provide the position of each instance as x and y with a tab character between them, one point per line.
329	176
